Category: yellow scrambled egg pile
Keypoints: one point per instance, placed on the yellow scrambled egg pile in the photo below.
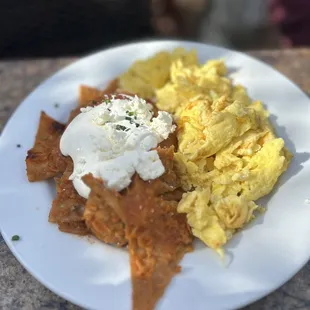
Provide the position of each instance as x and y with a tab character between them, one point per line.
228	154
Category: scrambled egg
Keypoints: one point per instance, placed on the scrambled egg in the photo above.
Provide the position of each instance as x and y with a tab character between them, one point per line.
144	77
228	154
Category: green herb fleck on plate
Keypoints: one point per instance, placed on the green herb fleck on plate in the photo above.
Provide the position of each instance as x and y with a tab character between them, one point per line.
15	238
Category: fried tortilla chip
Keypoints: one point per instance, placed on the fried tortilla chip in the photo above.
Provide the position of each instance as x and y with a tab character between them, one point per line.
100	218
112	87
45	160
175	195
87	94
158	237
77	228
168	181
68	206
171	140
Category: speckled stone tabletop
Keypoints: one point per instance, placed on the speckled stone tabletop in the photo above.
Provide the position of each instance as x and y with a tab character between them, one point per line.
19	290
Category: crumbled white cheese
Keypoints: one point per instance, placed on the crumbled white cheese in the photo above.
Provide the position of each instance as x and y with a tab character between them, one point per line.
114	140
149	167
163	124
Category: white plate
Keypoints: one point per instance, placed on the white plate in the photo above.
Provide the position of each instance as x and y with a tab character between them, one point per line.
97	276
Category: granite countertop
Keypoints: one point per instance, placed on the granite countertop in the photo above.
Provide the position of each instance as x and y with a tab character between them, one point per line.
19	290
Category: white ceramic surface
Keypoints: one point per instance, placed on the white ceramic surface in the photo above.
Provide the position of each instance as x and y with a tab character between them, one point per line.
97	276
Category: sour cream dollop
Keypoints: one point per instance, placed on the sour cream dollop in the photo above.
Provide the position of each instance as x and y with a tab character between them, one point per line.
115	139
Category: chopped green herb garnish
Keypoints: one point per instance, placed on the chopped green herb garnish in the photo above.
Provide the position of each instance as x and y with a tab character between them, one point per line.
15	238
18	145
121	127
129	119
137	125
93	102
107	101
130	113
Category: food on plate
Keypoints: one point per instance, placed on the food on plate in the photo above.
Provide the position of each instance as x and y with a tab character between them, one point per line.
100	218
169	151
68	206
228	155
122	144
144	77
89	94
114	140
105	223
158	237
44	160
